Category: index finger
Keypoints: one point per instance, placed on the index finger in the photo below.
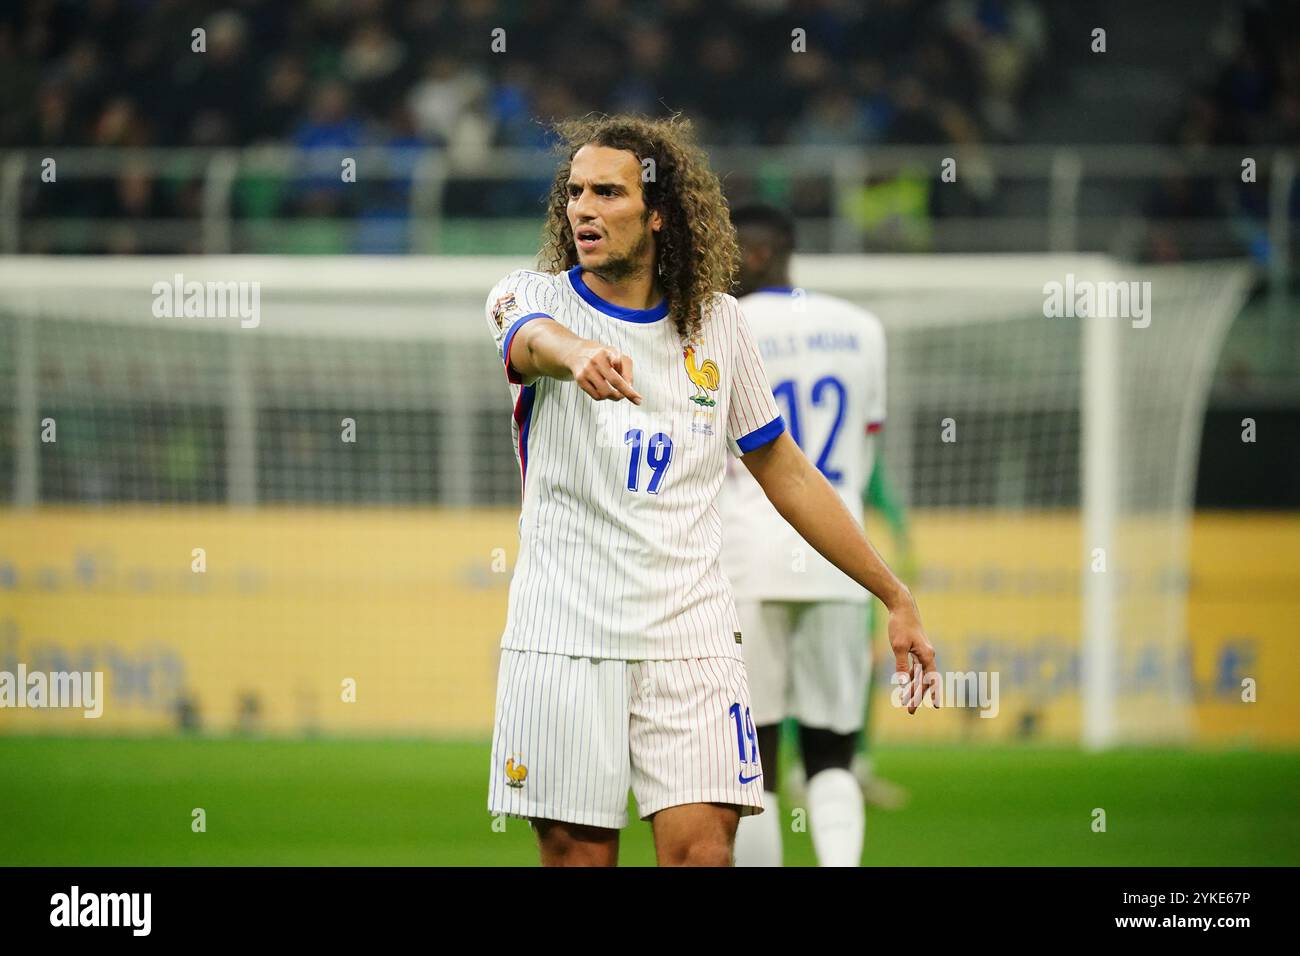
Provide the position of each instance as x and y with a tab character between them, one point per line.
915	687
929	674
624	387
903	666
624	366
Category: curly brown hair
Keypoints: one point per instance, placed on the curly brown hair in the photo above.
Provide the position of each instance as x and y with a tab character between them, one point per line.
697	253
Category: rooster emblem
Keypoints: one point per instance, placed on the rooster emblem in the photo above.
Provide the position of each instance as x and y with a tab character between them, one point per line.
704	377
516	773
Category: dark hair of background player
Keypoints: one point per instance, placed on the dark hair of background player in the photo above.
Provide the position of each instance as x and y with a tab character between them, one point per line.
767	240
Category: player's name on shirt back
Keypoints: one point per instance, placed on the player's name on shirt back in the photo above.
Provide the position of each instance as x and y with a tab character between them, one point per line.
779	346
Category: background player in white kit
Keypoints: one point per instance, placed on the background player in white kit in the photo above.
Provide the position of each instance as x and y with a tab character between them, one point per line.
807	643
621	658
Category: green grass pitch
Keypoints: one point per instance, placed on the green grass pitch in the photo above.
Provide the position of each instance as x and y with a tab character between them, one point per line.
102	802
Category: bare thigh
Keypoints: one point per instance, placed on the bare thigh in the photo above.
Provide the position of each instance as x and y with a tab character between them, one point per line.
695	834
572	844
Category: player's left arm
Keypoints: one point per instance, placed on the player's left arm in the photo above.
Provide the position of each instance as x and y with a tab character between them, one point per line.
756	434
804	498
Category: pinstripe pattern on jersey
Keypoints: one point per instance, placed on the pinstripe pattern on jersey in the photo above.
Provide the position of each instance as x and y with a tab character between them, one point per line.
605	572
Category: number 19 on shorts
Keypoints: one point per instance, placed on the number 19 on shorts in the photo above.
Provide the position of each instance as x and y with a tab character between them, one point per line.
745	733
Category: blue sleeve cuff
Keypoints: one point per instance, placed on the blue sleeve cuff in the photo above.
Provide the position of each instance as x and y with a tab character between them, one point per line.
512	375
761	436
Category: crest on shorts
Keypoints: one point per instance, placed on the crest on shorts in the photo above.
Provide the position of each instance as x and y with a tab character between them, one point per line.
516	772
504	307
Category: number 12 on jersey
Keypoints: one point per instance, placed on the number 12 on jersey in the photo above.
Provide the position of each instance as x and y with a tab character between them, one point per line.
658	455
827	383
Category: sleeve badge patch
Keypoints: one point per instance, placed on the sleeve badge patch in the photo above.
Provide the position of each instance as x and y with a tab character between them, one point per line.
504	307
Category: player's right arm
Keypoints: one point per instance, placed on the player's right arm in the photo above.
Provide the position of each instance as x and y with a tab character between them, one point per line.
521	311
546	348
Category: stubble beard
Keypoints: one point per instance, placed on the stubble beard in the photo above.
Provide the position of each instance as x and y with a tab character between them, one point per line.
631	265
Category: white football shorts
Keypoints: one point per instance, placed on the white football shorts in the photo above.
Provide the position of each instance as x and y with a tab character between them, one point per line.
573	734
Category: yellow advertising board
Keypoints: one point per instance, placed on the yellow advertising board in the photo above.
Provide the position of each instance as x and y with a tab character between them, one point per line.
377	621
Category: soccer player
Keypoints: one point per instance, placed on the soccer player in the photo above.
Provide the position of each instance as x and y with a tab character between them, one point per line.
806	625
634	375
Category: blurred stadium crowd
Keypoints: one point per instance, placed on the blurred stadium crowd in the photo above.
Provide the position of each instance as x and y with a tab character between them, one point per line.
1250	90
122	73
356	72
330	77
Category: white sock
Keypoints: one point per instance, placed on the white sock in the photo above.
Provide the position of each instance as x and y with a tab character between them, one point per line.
758	837
836	817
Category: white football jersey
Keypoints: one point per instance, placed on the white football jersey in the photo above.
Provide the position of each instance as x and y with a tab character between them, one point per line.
826	360
619	532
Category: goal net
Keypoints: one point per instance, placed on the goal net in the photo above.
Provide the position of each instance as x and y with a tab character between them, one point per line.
271	493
